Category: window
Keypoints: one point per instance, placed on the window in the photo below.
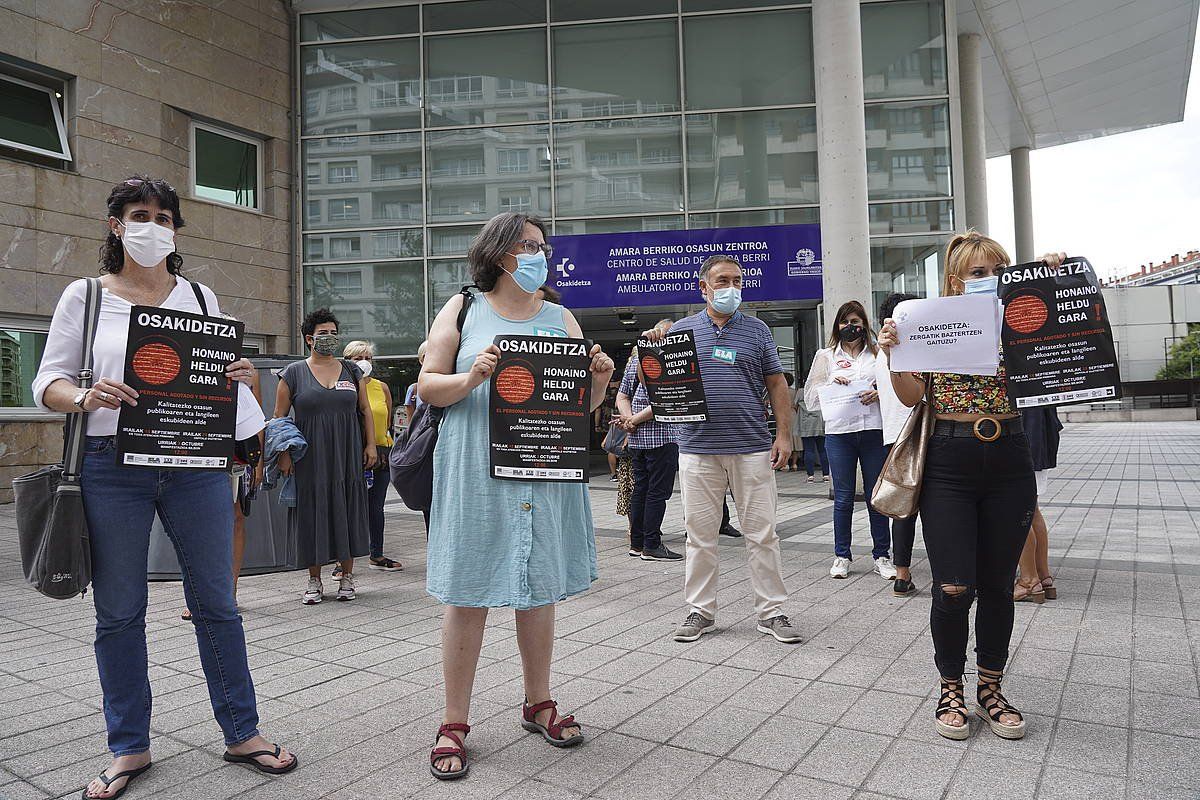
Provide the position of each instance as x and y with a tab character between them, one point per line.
519	202
610	171
616	68
343	172
343	210
20	354
513	160
312	172
776	70
508	88
343	248
351	319
343	141
457	67
456	90
226	166
314	211
346	282
398	210
31	119
752	158
904	51
911	164
314	248
341	98
312	102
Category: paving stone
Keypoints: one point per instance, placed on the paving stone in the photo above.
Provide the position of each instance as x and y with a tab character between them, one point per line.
752	782
989	775
843	756
1179	716
1165	760
915	771
1069	784
798	787
1092	748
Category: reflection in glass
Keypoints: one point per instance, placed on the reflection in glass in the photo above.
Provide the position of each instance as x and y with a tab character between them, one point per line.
356	24
452	241
914	217
908	150
383	303
774	67
571	10
619	166
446	278
485	78
361	87
752	158
616	69
745	219
733	5
665	222
483	14
904	49
906	264
370	181
20	355
466	181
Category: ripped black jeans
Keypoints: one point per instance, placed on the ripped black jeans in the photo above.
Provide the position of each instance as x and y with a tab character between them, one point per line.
977	502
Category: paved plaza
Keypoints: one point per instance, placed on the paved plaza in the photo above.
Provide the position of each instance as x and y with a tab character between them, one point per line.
1106	675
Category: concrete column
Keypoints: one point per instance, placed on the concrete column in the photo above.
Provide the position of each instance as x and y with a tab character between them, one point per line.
974	132
842	154
1022	205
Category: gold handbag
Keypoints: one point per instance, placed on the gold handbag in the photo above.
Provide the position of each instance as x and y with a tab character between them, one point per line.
897	493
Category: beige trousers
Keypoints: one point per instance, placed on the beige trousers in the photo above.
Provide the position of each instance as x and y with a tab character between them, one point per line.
704	479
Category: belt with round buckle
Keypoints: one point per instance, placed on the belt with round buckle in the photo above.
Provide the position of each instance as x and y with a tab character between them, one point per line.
979	434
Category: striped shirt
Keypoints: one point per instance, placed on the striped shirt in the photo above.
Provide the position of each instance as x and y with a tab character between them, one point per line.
651	434
734	364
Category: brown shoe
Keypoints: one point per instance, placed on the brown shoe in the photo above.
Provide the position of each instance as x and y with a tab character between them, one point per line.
1029	594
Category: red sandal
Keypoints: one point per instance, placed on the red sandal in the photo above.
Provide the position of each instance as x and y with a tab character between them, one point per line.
450	730
552	733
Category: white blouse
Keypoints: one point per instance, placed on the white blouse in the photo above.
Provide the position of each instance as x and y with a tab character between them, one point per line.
61	358
830	363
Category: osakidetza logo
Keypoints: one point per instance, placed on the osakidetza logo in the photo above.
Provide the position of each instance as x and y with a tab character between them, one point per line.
564	268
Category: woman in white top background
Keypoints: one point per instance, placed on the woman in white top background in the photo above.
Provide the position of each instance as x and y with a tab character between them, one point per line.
854	441
140	267
895	414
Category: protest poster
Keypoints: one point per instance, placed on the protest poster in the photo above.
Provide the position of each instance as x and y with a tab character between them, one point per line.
1058	345
540	409
187	409
947	334
671	372
841	402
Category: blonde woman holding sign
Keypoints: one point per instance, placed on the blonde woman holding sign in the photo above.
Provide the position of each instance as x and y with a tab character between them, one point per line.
977	500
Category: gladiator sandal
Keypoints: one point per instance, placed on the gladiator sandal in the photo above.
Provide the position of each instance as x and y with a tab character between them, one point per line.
952	701
992	704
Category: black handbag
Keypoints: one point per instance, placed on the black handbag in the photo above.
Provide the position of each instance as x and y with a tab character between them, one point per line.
56	553
616	441
411	460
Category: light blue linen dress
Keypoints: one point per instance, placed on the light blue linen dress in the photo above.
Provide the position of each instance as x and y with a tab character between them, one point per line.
494	543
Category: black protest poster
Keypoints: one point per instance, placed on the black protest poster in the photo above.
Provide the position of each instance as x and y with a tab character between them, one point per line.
1058	344
187	409
671	372
540	409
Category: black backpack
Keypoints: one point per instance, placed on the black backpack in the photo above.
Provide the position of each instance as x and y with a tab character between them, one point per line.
411	459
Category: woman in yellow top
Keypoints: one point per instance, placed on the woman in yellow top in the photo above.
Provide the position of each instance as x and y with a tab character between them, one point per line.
977	499
380	396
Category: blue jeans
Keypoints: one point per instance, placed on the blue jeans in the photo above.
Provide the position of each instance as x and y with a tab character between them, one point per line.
847	451
814	447
196	509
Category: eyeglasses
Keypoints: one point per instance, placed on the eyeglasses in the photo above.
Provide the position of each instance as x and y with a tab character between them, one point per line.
530	247
157	183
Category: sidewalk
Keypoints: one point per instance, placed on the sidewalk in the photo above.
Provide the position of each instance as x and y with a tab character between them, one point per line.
1106	675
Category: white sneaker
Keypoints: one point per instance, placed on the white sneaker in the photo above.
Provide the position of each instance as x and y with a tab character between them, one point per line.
314	594
346	587
840	568
885	568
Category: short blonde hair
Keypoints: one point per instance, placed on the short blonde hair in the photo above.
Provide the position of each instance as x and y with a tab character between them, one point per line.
965	248
359	349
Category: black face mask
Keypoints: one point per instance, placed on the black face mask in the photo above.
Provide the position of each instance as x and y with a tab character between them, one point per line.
851	333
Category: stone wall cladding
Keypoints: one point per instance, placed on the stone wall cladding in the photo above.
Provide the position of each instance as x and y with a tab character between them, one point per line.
141	68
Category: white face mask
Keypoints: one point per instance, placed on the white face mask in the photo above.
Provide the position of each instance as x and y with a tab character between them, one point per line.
147	243
364	366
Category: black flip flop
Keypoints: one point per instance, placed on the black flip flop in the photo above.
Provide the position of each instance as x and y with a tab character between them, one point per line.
130	774
252	760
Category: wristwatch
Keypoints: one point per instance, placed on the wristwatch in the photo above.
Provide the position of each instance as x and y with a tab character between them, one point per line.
79	398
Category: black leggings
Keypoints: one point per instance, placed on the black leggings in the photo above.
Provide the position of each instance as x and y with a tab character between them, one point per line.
977	502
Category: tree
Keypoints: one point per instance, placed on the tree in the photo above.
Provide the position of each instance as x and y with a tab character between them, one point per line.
1184	359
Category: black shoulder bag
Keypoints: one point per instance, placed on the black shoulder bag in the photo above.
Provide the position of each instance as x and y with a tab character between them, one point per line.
56	553
411	459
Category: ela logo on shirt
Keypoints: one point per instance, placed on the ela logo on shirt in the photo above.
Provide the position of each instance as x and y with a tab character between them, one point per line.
843	363
725	355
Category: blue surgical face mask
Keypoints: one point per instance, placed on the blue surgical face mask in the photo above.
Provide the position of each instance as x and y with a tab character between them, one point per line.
531	271
986	285
727	300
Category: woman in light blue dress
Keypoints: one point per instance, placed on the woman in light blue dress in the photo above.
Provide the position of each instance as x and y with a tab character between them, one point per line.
494	543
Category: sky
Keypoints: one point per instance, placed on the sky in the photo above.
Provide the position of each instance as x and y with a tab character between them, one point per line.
1135	197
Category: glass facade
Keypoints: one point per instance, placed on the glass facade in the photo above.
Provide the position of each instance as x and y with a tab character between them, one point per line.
420	122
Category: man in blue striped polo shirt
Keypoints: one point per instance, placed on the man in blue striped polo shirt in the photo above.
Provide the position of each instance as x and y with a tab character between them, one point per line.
733	450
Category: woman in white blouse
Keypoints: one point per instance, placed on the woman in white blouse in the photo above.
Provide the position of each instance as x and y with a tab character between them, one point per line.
139	266
853	432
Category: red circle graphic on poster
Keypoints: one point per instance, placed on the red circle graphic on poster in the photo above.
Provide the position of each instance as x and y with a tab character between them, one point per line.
156	364
515	384
651	368
1026	314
